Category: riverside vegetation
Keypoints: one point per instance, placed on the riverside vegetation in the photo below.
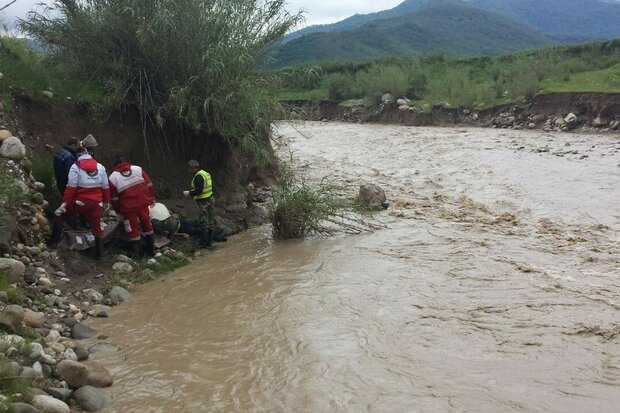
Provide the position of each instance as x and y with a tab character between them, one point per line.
481	82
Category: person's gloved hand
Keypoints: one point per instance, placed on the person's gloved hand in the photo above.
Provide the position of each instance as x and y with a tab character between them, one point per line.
61	209
185	193
79	203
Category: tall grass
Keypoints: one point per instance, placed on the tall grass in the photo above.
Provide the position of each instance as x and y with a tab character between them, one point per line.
301	208
183	63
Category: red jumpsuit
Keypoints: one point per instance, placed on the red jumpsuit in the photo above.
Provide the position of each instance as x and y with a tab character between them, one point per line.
86	192
131	194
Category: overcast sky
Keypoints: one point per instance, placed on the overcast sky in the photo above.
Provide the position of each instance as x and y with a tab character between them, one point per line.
317	11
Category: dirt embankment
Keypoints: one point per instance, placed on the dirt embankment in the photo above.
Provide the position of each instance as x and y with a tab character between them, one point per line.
549	112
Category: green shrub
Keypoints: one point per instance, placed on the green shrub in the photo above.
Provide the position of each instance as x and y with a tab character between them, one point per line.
300	208
380	79
15	295
10	193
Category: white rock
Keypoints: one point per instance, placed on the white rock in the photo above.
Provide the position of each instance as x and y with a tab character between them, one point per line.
93	295
47	94
13	148
53	336
14	269
69	354
48	404
122	268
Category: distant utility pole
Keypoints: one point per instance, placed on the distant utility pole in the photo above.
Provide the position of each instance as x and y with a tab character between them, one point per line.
7	5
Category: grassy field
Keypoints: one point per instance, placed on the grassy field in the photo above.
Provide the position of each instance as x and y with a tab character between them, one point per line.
473	82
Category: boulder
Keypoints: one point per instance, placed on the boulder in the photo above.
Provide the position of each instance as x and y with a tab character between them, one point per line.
48	404
122	268
90	398
69	354
72	372
24	408
118	294
600	120
14	269
387	98
81	353
81	331
372	196
34	319
59	393
93	295
102	348
4	134
13	148
98	376
570	121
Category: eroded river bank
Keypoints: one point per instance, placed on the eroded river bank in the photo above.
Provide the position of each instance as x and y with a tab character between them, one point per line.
494	286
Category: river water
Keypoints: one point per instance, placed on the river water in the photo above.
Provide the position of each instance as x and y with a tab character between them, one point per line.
493	286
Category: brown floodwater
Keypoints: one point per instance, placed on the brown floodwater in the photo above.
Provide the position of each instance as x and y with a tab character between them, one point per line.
492	286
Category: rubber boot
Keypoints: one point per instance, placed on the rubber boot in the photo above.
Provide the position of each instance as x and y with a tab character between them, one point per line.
136	250
206	238
149	245
56	236
98	248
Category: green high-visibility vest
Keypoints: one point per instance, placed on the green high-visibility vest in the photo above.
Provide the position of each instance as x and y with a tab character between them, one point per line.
207	190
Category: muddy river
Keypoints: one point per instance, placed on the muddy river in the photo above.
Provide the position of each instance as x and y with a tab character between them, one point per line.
493	286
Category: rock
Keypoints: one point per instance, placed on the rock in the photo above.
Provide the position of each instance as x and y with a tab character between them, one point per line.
29	374
118	294
24	408
103	348
36	351
16	312
72	372
93	295
124	258
70	355
48	404
81	353
14	269
4	346
59	393
372	196
32	319
99	309
402	102
90	398
47	94
570	121
122	268
58	348
615	125
531	125
81	331
53	336
4	134
13	148
387	98
600	120
8	323
98	375
4	297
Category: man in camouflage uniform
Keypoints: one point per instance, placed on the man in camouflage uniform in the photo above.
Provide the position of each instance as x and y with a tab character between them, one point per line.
202	192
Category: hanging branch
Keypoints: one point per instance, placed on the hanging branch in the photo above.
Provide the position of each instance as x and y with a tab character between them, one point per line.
7	5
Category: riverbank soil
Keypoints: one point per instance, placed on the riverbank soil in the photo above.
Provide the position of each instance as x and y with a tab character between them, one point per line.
494	286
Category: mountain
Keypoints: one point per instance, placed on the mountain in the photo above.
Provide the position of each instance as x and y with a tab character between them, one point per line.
450	26
563	20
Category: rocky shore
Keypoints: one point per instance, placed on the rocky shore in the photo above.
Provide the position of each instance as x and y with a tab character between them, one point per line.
46	295
596	112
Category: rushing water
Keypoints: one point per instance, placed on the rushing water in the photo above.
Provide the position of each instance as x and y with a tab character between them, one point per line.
494	287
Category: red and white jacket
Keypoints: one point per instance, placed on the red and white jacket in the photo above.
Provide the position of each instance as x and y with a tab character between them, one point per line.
88	182
130	187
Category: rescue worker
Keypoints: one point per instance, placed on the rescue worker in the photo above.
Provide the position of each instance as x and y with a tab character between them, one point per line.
90	143
88	194
131	192
202	192
64	158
